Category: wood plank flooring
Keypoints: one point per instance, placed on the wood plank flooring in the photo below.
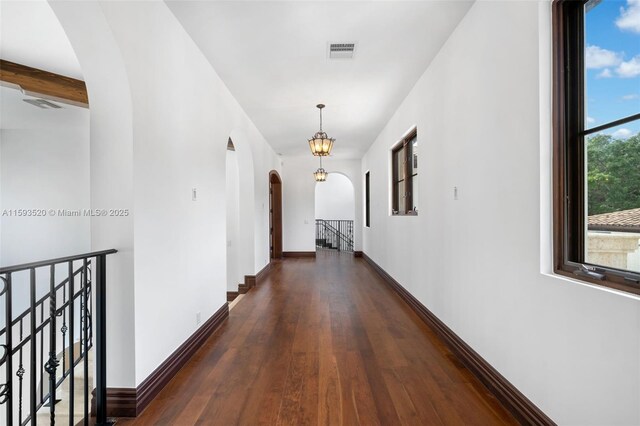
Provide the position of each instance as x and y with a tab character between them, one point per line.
323	341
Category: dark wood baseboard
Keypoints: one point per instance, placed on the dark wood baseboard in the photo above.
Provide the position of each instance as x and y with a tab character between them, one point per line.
243	288
250	281
125	402
357	253
298	254
121	402
519	405
260	276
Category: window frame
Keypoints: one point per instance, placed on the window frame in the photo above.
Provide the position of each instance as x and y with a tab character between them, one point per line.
569	177
407	144
367	199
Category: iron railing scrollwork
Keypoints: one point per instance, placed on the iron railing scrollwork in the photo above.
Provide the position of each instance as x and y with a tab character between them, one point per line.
44	345
334	234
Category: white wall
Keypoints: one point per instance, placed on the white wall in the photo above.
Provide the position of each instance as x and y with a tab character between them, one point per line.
180	113
1	204
335	198
234	274
475	263
44	169
298	199
633	260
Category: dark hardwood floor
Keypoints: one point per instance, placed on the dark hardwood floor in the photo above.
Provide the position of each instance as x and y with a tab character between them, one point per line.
323	341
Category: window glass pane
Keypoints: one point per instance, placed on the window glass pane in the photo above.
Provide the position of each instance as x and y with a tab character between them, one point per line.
413	167
394	166
400	198
413	173
399	163
613	197
612	60
414	193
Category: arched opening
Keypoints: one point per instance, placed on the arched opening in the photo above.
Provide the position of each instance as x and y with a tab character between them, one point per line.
275	215
232	196
247	244
44	140
45	161
335	213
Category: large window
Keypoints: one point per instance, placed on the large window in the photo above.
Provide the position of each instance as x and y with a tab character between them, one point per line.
404	176
597	141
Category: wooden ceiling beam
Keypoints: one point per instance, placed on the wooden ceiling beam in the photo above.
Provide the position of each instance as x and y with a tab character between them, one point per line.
44	84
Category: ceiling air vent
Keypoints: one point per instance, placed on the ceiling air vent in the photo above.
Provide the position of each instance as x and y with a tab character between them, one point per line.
41	103
341	50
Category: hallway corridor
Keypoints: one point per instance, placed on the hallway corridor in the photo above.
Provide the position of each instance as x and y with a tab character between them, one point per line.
323	341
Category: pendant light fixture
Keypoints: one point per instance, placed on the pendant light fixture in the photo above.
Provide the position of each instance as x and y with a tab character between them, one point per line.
321	144
320	175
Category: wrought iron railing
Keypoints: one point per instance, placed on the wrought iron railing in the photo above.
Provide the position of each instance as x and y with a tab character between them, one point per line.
334	234
44	344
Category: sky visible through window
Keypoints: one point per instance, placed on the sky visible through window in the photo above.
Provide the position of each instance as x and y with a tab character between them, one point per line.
612	31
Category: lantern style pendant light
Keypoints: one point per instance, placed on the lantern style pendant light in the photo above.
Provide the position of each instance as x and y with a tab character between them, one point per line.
321	144
320	175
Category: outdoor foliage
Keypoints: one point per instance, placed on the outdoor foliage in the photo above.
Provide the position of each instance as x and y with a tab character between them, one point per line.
613	173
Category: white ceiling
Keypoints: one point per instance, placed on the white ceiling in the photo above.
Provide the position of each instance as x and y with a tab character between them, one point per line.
30	34
273	58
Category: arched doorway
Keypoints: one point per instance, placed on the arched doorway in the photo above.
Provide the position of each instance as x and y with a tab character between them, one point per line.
232	191
275	215
335	213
